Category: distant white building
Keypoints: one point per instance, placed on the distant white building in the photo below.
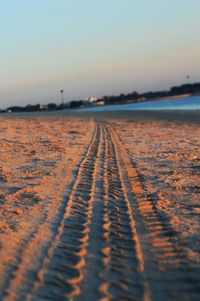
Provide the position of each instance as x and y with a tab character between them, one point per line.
44	107
100	103
91	99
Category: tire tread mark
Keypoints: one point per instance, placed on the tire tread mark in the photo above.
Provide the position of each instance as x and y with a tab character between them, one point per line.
164	257
51	273
124	265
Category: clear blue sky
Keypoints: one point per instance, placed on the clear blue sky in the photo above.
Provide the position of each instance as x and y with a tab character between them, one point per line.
95	47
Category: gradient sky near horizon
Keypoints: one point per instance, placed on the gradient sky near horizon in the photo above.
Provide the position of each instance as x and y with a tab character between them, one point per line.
95	47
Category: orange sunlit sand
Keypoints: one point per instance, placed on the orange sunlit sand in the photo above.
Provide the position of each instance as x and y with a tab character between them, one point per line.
99	209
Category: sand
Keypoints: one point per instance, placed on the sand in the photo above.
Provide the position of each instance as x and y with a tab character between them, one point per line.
103	208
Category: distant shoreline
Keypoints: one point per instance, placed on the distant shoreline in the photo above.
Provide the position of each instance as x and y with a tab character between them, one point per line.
176	92
185	116
177	96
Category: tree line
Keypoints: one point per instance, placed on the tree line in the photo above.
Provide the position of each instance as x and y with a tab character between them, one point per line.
133	97
136	97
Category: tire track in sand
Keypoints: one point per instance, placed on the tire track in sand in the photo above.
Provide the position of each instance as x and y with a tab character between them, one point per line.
114	263
61	272
113	241
168	272
96	253
20	277
123	259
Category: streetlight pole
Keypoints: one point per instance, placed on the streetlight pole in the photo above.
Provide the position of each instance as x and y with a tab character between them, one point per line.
62	96
188	78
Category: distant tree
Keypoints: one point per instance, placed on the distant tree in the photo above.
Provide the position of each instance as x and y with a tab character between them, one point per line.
52	106
15	109
76	104
32	108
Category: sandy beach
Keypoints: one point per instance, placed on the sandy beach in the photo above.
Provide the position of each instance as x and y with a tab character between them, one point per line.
100	206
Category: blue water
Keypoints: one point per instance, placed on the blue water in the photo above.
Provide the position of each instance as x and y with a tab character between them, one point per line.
187	103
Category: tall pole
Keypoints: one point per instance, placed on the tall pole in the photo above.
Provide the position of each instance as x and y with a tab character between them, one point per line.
188	77
62	96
